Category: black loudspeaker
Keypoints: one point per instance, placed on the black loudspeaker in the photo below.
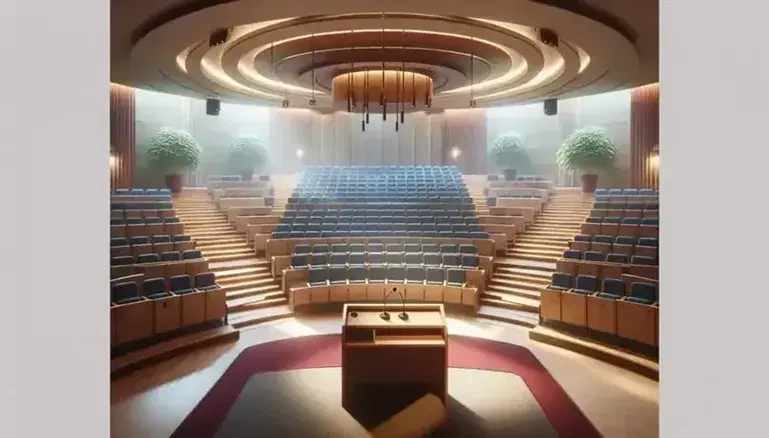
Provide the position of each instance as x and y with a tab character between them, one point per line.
212	107
551	107
548	37
218	36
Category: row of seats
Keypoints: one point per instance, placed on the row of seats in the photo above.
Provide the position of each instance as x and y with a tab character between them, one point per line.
626	192
624	213
344	248
623	310
376	219
224	178
613	288
597	256
321	206
383	225
141	192
652	221
146	240
469	261
143	247
386	274
380	198
144	220
615	229
381	211
140	312
141	214
144	205
342	231
168	256
492	202
619	240
622	204
153	288
150	230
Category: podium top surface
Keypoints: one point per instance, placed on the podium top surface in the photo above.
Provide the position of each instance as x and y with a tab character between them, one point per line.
369	315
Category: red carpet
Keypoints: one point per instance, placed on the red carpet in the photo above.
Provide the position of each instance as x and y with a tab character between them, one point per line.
325	351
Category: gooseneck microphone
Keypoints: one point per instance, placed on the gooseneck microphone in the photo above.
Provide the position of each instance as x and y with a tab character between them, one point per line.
385	315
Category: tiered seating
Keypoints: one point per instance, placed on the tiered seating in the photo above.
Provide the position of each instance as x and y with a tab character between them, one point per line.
605	283
142	192
427	201
160	282
143	307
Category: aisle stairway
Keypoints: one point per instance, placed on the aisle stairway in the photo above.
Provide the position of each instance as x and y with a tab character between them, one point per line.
253	295
527	267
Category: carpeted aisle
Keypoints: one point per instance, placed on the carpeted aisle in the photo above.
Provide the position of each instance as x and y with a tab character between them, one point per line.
325	351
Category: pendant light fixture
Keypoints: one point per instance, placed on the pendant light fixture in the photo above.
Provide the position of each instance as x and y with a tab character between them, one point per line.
312	45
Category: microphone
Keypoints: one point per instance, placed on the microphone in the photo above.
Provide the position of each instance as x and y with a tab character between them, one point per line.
385	315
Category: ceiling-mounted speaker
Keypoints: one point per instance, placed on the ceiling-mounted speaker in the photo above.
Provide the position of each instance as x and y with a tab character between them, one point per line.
212	107
219	36
548	37
551	107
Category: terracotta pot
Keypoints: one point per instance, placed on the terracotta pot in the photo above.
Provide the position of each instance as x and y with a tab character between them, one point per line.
174	183
510	174
589	182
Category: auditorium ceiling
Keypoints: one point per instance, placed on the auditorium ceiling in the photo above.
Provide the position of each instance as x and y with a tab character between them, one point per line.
306	53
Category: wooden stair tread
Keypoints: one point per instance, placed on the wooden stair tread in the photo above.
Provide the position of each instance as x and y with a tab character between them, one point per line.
214	266
236	272
517	317
523	293
517	284
524	263
512	300
523	272
614	356
258	316
255	302
172	347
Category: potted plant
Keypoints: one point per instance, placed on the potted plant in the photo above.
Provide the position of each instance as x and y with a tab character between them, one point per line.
508	152
246	156
587	150
172	152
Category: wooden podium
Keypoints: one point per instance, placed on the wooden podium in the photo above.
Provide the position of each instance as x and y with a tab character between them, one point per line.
395	357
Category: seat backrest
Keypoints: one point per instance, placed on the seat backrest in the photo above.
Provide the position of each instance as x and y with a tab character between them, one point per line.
320	248
413	258
642	260
357	273
470	260
617	258
436	275
586	282
318	275
645	291
594	256
614	286
562	280
338	258
300	260
467	249
376	273
205	279
302	249
154	286
625	240
357	248
148	258
339	248
180	282
448	248
648	241
572	254
455	276
394	247
430	248
396	273
337	273
121	291
415	273
192	254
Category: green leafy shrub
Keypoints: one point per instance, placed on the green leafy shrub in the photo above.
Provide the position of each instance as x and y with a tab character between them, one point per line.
173	151
247	155
507	152
587	149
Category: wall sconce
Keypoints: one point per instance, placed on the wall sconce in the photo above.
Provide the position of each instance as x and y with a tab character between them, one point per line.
299	153
112	159
455	153
654	158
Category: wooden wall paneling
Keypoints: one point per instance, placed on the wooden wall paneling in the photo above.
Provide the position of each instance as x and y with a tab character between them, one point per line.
644	136
122	107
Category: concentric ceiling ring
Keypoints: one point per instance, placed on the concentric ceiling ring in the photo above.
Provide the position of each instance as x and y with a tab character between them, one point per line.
275	59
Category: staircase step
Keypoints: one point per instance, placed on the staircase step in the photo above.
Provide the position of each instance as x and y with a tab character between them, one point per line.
512	270
533	257
230	257
547	251
517	317
526	264
252	291
256	302
516	283
537	246
232	264
523	293
535	240
250	283
510	302
259	316
255	273
231	245
237	272
224	241
536	281
210	252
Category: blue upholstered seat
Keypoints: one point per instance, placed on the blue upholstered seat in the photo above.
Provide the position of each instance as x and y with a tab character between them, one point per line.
572	254
181	284
617	258
585	284
561	281
642	293
455	277
125	293
318	276
613	288
192	254
155	288
594	256
206	281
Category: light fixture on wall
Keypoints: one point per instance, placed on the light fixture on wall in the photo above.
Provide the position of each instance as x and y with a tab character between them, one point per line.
455	152
654	158
472	77
112	159
299	153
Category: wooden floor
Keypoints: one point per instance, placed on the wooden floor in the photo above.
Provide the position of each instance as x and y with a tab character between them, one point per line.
152	401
